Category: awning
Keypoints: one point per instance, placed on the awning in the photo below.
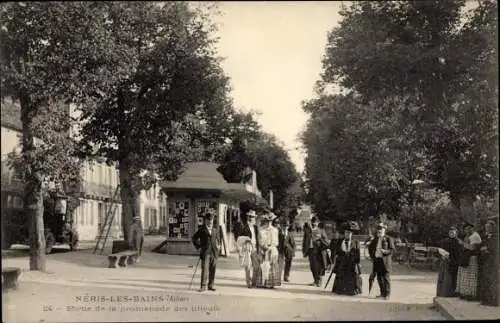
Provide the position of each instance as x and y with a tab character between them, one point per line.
203	177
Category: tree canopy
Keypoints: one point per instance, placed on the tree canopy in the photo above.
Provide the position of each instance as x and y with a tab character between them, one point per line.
421	105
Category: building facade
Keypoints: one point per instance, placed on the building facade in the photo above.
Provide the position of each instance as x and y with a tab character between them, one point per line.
100	182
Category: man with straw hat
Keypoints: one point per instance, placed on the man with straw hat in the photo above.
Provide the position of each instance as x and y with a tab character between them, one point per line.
207	240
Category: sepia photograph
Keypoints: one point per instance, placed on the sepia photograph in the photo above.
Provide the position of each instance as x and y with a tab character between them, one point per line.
192	161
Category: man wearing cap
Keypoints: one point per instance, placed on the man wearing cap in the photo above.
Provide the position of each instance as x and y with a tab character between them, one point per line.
380	250
136	236
251	230
207	240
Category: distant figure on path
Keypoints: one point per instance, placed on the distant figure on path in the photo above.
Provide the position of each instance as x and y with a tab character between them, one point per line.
136	236
380	251
207	240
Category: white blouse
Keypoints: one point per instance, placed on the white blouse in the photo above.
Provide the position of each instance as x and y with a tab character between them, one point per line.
268	237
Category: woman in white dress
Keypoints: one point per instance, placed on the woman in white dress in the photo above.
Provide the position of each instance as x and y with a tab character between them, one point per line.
268	257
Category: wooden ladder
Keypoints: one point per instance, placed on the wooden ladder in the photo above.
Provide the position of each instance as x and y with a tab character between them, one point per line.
108	222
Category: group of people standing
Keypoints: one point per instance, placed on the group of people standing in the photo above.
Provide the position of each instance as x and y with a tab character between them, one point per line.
266	251
344	255
469	268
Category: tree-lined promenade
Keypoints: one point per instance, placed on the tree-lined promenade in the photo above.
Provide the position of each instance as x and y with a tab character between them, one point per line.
418	104
150	92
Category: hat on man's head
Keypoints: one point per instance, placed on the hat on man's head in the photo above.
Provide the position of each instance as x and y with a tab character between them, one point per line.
468	224
269	216
381	225
251	214
208	216
453	228
352	226
314	219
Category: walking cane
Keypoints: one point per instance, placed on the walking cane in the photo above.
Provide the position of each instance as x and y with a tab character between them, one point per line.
330	277
195	269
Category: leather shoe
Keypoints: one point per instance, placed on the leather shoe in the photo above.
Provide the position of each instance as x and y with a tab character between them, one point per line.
211	288
201	290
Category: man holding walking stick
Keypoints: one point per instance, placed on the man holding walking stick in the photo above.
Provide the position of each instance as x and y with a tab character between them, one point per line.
207	240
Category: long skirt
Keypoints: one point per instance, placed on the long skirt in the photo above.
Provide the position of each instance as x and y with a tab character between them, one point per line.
274	278
467	279
347	283
445	280
488	284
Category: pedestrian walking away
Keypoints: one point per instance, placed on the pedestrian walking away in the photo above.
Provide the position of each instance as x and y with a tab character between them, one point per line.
380	251
251	230
207	240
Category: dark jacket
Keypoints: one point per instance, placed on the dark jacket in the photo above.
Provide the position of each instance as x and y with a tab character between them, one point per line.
454	248
388	244
306	241
334	247
248	233
286	245
206	242
351	259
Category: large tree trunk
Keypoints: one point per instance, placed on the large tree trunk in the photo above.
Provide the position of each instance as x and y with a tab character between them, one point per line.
130	197
33	199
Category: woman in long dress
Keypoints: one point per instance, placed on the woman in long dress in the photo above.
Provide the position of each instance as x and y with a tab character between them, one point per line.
468	270
488	267
348	277
268	239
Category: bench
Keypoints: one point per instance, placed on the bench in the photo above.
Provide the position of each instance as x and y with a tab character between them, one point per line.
122	258
10	276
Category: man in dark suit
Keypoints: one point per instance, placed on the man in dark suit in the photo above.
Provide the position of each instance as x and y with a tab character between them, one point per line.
380	250
251	230
207	240
287	248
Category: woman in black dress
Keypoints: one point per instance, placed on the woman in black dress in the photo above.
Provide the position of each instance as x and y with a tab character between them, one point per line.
348	275
488	266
